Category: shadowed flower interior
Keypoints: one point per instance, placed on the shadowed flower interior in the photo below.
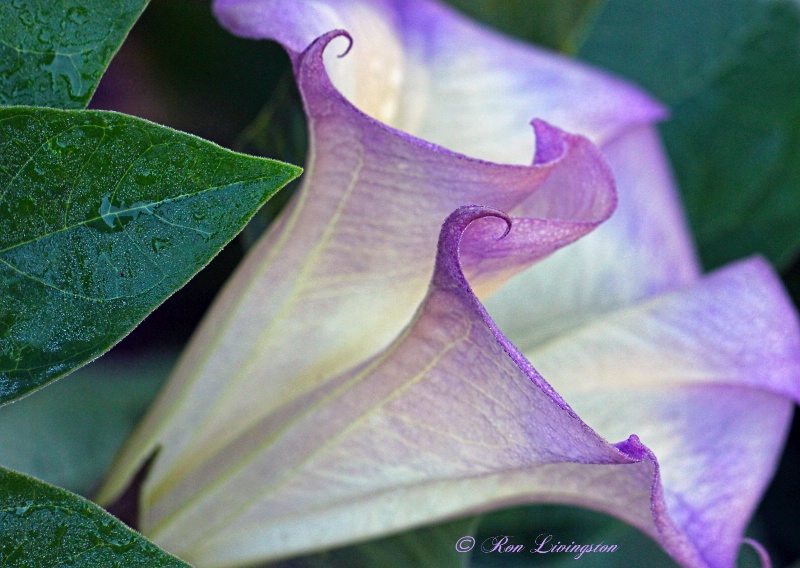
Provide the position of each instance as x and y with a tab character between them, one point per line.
349	382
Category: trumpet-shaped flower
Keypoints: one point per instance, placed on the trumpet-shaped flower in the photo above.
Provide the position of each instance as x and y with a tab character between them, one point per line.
419	336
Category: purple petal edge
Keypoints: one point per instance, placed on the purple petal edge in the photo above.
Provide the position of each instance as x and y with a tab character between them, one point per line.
296	24
314	81
596	202
449	275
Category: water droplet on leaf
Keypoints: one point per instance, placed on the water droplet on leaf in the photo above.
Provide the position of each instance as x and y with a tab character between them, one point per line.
113	217
145	177
159	244
45	36
62	65
78	15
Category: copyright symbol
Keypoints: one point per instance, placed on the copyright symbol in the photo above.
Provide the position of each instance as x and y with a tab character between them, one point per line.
465	544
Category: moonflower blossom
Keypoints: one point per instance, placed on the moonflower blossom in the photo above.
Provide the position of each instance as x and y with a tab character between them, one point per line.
422	335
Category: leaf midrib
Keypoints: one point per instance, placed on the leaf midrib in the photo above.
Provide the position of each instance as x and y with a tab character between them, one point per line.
136	208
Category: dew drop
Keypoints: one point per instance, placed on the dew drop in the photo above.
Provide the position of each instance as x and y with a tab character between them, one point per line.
45	36
113	217
106	528
78	15
42	17
145	177
120	545
26	16
61	65
159	244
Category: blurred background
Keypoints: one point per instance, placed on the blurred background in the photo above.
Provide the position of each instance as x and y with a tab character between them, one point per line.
728	69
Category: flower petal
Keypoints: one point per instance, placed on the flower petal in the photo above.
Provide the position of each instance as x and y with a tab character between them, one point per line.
717	447
425	69
346	265
644	249
447	418
428	71
450	419
733	327
445	421
706	377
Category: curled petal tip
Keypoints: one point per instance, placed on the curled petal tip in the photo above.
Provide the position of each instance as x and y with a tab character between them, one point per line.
330	36
453	228
633	448
317	47
458	221
550	142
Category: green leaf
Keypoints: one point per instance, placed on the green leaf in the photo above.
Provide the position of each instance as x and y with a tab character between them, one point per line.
102	217
427	547
557	24
44	526
53	53
68	433
730	71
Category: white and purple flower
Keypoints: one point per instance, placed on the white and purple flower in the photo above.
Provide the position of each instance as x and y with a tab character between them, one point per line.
349	381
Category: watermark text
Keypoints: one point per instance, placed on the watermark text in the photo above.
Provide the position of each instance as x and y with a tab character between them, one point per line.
543	544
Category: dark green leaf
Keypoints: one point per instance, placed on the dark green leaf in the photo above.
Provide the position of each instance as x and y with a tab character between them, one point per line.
730	71
102	217
54	53
43	526
557	24
427	547
68	433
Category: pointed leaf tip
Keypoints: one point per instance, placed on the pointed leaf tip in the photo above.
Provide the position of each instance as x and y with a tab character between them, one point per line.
102	217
